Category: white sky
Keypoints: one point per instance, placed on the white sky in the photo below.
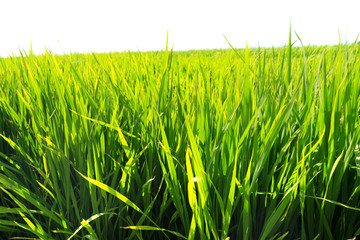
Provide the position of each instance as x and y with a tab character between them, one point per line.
104	25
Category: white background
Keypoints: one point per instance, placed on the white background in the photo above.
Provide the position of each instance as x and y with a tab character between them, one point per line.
103	26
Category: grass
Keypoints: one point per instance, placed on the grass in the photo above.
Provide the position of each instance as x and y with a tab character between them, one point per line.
216	144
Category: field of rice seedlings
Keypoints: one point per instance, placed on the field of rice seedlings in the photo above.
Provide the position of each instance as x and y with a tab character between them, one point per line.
213	144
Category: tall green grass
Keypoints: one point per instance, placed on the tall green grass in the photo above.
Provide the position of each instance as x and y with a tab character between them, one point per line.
220	144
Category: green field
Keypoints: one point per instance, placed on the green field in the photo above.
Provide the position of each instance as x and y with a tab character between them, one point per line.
214	144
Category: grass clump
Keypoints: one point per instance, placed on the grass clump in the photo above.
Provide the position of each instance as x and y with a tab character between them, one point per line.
216	144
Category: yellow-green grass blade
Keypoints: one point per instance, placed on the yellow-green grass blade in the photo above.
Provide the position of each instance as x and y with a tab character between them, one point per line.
113	192
85	223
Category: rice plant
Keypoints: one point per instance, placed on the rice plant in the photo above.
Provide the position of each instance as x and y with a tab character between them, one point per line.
214	144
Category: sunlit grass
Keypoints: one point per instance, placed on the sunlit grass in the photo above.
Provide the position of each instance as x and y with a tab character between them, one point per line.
217	144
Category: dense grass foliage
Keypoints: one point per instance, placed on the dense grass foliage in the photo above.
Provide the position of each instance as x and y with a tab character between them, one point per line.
221	144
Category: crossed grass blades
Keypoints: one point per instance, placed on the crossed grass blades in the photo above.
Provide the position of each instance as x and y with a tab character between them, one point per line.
217	144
